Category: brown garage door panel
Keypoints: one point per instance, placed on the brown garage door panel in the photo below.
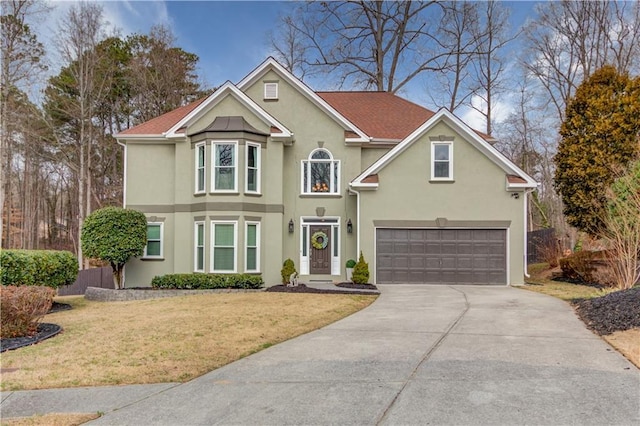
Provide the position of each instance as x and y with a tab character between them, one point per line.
441	256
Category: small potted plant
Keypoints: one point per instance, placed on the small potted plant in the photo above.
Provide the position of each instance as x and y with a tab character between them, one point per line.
350	265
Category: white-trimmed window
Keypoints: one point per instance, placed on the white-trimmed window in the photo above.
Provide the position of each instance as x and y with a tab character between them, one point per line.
271	90
252	177
320	173
200	168
155	232
224	177
441	160
252	246
224	239
198	255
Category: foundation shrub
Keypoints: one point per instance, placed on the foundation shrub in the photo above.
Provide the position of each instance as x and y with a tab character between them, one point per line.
288	268
21	308
360	271
207	281
38	267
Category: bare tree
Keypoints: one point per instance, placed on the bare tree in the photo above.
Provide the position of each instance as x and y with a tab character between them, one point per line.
458	34
21	60
79	34
492	36
372	44
570	40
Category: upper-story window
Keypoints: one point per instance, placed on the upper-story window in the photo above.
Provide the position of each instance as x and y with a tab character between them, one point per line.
252	178
200	168
442	161
320	173
224	176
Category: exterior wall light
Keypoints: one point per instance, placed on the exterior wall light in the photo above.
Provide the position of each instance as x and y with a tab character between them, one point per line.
515	195
291	226
349	227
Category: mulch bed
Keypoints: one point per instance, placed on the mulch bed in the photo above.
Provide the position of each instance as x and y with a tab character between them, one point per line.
617	311
45	331
302	288
358	286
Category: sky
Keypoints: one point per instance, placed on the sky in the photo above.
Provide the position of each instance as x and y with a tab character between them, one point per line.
231	38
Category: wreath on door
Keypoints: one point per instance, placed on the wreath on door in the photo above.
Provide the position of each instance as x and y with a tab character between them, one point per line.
319	240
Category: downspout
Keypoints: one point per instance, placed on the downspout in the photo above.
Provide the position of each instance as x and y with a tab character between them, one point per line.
353	191
124	175
526	227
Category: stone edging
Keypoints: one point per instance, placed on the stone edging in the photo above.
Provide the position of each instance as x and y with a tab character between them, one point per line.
110	295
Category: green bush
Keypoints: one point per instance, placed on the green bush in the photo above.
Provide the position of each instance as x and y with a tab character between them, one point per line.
38	267
350	263
288	268
114	234
21	308
360	271
579	266
207	281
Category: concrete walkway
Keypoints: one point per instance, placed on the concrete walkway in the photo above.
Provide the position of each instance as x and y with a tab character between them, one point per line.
418	355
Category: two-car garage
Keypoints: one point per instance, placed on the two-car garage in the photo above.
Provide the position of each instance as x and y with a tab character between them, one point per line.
441	256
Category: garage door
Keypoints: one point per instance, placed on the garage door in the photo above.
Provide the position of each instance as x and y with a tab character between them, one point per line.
441	256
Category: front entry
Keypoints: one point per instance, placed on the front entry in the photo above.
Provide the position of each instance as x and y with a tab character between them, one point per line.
320	249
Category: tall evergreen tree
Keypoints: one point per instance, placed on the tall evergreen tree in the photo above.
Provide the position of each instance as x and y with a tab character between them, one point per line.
600	135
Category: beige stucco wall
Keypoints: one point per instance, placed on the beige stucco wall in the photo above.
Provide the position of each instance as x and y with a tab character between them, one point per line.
477	194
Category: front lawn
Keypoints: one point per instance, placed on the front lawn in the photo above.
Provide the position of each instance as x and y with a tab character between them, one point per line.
166	340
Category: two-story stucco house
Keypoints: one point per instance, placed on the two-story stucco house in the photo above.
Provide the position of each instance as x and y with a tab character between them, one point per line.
267	169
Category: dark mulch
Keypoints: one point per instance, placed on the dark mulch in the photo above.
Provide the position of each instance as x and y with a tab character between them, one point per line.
358	286
302	288
57	307
45	331
617	311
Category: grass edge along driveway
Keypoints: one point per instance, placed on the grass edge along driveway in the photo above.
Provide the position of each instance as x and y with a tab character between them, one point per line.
166	340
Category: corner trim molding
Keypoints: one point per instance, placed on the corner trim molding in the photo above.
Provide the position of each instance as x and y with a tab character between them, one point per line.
208	206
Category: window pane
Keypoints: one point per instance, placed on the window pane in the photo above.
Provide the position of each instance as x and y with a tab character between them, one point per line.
200	179
251	156
441	152
251	259
335	241
335	177
201	156
224	235
321	155
153	232
305	174
320	177
223	259
252	184
441	169
251	235
153	248
200	259
225	178
200	235
304	240
224	155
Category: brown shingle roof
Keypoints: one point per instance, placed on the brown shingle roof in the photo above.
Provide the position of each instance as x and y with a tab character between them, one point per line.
163	123
515	179
380	115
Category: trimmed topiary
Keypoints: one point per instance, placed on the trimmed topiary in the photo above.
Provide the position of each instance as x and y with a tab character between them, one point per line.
114	234
360	271
288	268
51	268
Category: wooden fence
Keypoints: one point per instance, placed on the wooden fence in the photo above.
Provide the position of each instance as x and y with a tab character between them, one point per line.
540	243
95	277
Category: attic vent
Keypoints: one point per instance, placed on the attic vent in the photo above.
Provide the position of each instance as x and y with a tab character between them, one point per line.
271	90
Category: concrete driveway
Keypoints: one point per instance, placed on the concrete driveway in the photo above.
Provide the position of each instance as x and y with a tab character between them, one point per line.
418	355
